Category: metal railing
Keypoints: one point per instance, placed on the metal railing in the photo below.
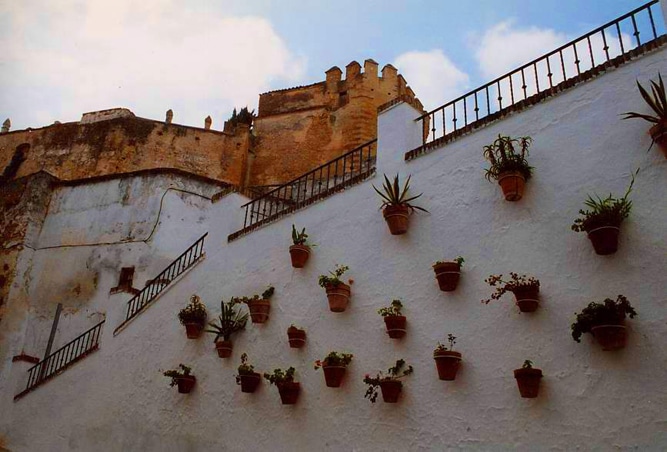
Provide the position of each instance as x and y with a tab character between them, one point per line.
612	41
62	358
161	281
348	169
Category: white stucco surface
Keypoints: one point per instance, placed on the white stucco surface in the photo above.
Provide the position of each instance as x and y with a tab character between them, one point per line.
117	399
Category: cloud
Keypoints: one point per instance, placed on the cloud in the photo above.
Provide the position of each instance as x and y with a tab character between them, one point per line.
434	78
63	58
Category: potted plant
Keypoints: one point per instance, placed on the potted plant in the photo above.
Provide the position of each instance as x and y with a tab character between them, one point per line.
230	321
448	273
509	165
258	307
338	293
393	319
296	336
396	204
287	387
447	361
389	384
247	377
300	250
334	366
182	378
193	316
525	289
605	321
658	103
528	380
602	223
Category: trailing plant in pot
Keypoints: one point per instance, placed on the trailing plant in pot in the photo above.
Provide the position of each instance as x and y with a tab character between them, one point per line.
509	165
603	221
300	250
193	316
525	289
259	307
605	321
334	366
396	205
658	103
447	361
394	320
447	273
287	388
528	380
338	293
388	383
230	321
181	378
247	377
296	336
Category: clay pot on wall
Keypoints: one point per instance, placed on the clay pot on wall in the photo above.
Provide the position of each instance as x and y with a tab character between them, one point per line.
299	255
186	383
528	380
604	239
447	274
333	375
224	348
527	298
289	392
447	362
339	296
512	184
659	134
259	310
396	326
610	337
296	336
397	218
391	390
193	330
249	382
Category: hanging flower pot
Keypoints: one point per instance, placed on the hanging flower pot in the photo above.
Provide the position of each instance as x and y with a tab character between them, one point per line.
333	375
527	297
224	348
259	310
604	239
296	336
656	100
509	165
525	289
610	337
391	390
299	255
396	204
230	321
334	366
512	183
528	380
247	377
659	134
193	330
338	296
396	326
447	273
185	384
193	316
388	383
397	218
181	378
289	392
605	321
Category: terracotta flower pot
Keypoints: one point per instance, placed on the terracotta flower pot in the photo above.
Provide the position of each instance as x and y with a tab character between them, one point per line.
610	337
527	298
193	330
659	134
186	383
604	239
289	392
512	184
528	381
395	326
447	274
391	390
299	255
339	296
249	382
259	310
397	219
447	362
297	337
333	375
224	348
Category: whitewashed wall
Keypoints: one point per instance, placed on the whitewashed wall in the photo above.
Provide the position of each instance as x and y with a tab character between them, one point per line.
117	399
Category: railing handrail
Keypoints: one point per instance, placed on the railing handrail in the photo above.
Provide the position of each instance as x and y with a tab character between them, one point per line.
543	57
322	166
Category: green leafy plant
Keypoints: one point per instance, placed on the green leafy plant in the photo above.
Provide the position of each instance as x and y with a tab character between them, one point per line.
458	259
443	348
334	359
393	373
230	321
394	309
280	376
609	211
194	312
393	195
508	154
244	116
609	312
244	368
334	279
268	293
175	374
300	238
516	282
527	364
657	101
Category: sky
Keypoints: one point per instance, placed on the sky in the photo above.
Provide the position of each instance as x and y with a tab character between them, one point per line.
61	58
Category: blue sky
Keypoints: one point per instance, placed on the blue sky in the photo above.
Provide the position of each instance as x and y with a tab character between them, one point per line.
64	57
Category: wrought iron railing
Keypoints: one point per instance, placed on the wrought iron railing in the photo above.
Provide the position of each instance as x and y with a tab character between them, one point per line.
183	262
348	169
62	358
578	59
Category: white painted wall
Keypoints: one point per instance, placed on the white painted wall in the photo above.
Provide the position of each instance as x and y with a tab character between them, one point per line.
116	399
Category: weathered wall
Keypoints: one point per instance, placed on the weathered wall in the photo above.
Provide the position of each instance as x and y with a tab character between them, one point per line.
589	399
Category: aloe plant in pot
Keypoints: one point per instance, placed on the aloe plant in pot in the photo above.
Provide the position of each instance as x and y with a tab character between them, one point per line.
394	319
300	250
338	293
605	321
258	307
287	388
334	366
525	289
193	317
247	377
396	205
448	273
509	165
528	380
657	101
230	321
447	361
